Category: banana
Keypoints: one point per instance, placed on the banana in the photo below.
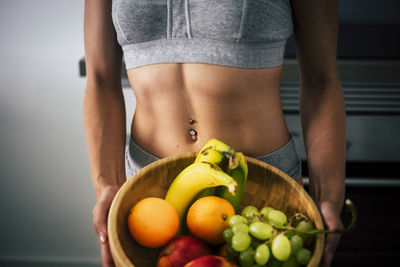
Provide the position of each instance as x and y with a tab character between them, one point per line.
192	180
218	153
239	173
232	163
218	145
214	156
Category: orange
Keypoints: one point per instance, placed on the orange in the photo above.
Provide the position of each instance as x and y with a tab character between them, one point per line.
153	222
207	218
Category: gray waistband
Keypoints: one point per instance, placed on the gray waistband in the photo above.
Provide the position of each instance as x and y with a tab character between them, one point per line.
136	158
286	159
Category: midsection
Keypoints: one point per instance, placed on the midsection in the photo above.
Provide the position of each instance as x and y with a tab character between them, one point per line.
241	107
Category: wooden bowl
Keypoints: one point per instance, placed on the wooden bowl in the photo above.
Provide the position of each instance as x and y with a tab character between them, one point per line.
266	186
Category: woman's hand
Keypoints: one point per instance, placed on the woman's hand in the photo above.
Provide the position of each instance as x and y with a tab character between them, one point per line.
100	214
332	221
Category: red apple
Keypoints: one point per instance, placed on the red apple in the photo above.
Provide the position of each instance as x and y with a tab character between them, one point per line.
210	261
181	250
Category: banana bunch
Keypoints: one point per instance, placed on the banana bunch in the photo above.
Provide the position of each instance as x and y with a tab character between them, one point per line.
231	162
216	166
217	153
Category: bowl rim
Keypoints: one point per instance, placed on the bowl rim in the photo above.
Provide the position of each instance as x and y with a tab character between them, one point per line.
115	246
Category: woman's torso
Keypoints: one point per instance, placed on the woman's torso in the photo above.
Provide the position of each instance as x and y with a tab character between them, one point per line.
238	106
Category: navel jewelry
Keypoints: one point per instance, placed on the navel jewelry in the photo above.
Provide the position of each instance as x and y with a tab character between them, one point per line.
193	134
191	121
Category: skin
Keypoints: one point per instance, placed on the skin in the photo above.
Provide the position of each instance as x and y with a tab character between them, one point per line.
222	100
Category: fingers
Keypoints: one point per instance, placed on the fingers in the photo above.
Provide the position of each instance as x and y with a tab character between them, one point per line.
332	221
106	258
100	211
100	214
331	243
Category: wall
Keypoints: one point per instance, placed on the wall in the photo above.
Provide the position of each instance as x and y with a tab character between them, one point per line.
46	194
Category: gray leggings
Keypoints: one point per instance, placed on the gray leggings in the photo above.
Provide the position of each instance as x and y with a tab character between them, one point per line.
285	159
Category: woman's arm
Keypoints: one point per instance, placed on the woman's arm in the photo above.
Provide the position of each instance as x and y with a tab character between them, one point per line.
103	113
322	109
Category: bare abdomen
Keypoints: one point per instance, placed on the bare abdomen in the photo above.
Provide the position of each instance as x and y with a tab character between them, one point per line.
238	106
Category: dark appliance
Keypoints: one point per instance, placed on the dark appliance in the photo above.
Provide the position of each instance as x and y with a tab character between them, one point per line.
369	69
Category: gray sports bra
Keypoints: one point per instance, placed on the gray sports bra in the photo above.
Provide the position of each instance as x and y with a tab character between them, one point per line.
237	33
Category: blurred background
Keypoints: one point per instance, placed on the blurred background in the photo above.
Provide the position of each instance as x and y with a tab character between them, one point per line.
46	193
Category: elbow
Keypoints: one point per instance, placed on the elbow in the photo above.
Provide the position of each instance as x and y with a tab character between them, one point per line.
330	80
319	85
102	80
323	94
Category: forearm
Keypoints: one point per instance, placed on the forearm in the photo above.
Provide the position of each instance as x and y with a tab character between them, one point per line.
322	111
105	130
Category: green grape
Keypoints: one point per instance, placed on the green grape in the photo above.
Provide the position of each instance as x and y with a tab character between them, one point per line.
246	258
303	256
241	241
254	219
228	234
296	242
290	233
249	212
262	254
281	247
291	262
264	212
305	226
277	218
231	253
235	219
261	230
240	227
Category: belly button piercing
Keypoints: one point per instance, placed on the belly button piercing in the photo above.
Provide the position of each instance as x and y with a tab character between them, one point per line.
191	121
193	134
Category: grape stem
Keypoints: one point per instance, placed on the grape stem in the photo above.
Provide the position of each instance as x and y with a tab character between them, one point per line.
298	216
350	227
